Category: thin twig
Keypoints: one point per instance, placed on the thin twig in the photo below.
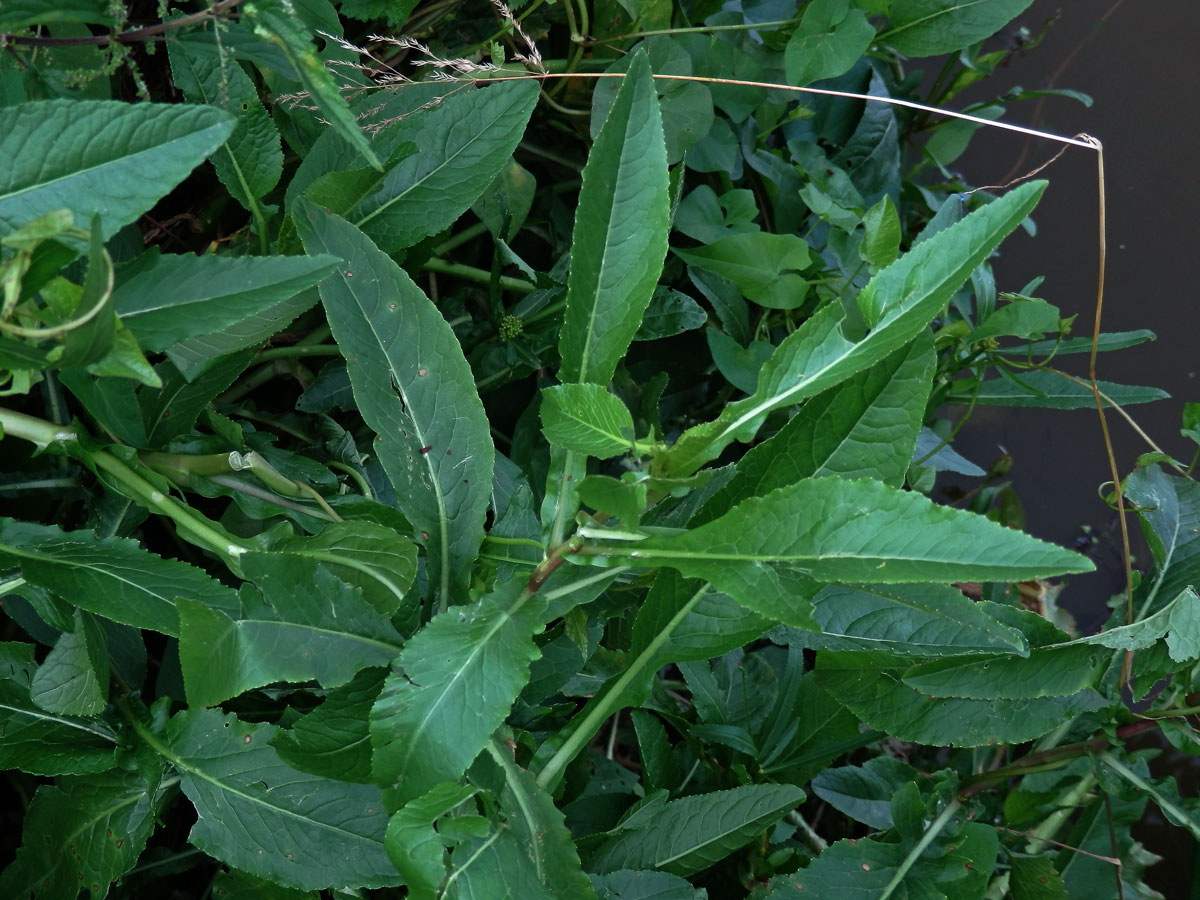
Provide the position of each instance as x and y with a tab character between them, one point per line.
150	32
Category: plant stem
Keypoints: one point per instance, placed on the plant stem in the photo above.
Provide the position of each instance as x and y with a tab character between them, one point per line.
481	276
926	839
125	37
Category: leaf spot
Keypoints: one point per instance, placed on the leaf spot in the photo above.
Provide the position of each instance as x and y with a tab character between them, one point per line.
119	842
349	274
866	867
246	739
422	372
391	306
426	449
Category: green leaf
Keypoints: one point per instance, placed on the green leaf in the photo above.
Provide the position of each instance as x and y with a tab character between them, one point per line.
413	844
618	498
234	885
171	298
1023	317
20	14
1178	622
762	265
1169	509
669	313
1050	390
309	625
919	28
896	304
172	410
408	371
1046	672
463	143
73	679
98	157
626	884
831	529
369	556
251	161
828	42
906	620
45	743
882	233
620	237
880	698
334	739
196	356
479	865
91	342
866	427
688	835
586	418
677	627
113	577
277	23
82	834
864	793
1035	878
1117	340
451	688
264	817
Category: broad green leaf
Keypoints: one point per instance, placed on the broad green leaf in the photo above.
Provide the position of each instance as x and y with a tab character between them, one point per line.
308	625
586	418
413	844
1035	878
173	297
896	304
688	835
73	679
864	793
195	356
620	236
679	627
268	819
82	834
89	156
1117	340
364	554
480	865
451	688
251	161
828	42
622	499
113	577
231	884
45	743
1049	390
919	28
334	739
762	265
1046	672
462	144
112	402
670	312
881	699
881	235
276	22
1169	509
1178	622
905	620
864	428
415	389
626	884
1025	317
832	529
20	14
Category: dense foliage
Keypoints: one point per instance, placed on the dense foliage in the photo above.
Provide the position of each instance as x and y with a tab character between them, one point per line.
424	479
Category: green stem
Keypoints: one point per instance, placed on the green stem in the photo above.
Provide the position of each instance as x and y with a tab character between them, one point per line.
298	350
364	487
1067	803
1166	804
915	853
604	704
481	276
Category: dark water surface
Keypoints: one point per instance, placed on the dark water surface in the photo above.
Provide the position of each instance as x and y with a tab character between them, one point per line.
1140	61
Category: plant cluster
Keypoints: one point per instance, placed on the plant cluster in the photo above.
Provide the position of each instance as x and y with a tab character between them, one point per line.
453	451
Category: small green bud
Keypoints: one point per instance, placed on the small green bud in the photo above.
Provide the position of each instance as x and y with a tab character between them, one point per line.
510	327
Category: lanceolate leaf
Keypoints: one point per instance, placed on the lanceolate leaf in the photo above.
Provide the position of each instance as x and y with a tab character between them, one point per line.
906	620
461	146
897	304
251	161
50	743
690	834
73	679
174	297
451	688
415	390
90	157
832	529
864	428
1178	622
620	237
83	834
114	577
929	27
414	845
1047	672
262	816
334	739
1049	390
1170	512
311	626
